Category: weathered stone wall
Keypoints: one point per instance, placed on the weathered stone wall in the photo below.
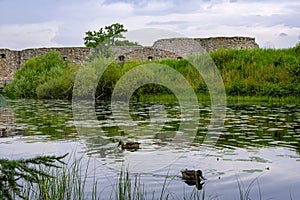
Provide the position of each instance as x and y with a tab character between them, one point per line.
149	53
123	50
212	44
191	46
10	60
173	48
183	47
9	63
75	54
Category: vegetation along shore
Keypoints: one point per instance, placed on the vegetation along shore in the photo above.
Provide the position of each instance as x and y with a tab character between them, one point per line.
246	72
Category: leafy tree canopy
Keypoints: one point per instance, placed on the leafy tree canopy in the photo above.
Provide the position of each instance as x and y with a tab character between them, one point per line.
109	34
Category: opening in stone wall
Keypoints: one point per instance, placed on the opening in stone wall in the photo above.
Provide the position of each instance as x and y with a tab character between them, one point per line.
65	58
150	58
179	58
121	58
2	55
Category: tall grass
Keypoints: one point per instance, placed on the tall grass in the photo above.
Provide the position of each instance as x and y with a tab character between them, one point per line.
71	182
244	193
68	182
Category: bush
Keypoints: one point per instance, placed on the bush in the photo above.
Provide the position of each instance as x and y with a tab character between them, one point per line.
237	88
34	72
275	90
43	77
60	87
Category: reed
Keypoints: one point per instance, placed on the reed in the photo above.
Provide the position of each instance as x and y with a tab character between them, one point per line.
70	182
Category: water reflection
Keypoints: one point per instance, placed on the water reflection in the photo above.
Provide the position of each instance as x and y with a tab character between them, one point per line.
257	141
245	126
8	126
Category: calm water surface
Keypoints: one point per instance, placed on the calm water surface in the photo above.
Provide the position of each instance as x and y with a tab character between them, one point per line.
258	149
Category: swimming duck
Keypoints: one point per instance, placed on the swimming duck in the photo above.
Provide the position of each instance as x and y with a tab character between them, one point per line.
129	145
190	175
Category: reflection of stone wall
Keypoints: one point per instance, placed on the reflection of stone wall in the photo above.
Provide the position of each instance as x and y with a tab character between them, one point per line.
8	127
11	60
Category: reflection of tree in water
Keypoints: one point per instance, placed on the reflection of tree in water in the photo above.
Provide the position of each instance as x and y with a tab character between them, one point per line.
245	125
256	125
2	101
104	143
45	117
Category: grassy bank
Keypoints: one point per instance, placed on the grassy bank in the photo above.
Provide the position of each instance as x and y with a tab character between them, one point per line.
205	99
259	73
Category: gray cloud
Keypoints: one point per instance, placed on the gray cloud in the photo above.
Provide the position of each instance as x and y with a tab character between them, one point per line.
51	22
36	11
283	34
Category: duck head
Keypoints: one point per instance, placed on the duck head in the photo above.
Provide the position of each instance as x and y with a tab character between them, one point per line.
120	143
199	173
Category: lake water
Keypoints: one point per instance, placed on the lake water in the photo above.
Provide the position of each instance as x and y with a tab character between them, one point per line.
259	147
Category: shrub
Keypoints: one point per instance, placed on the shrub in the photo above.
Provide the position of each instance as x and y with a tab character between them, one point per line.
275	90
36	72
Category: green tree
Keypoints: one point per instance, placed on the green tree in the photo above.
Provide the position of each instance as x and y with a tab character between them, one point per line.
109	35
126	43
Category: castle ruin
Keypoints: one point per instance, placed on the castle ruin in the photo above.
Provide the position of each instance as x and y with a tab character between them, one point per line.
174	48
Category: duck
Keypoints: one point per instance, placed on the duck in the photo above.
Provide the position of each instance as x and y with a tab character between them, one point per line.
192	175
129	145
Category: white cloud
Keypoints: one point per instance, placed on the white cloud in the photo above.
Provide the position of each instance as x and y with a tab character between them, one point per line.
148	36
28	36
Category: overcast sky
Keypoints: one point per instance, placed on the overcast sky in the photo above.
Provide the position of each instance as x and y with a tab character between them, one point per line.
52	23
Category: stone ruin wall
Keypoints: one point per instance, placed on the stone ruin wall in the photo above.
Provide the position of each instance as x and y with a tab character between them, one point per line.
148	53
9	63
212	44
185	47
75	54
174	48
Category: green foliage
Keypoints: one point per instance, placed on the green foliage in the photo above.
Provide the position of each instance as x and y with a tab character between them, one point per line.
34	72
126	43
15	173
2	101
88	75
59	87
45	76
108	80
108	35
257	72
